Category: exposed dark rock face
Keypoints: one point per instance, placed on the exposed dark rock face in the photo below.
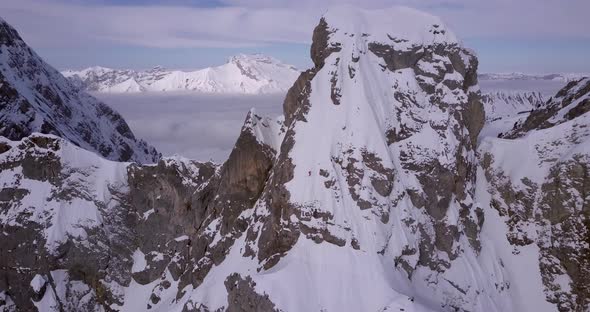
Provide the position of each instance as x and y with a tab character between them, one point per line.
321	46
31	242
203	210
34	97
434	65
278	235
296	102
558	209
565	246
242	297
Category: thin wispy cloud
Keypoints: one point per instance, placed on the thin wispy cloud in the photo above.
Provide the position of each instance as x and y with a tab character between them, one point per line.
524	35
258	22
155	26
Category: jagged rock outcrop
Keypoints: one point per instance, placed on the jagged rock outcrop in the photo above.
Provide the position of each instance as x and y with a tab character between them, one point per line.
34	97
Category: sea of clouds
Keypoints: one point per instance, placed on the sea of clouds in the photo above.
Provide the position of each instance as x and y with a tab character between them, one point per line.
196	126
205	127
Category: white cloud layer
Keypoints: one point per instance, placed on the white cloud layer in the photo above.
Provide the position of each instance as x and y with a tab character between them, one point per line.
197	126
244	23
206	127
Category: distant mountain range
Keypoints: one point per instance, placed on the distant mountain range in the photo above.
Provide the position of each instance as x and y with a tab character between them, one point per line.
566	77
242	74
245	74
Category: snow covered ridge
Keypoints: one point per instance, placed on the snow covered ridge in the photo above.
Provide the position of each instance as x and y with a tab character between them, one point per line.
565	77
247	74
34	97
536	177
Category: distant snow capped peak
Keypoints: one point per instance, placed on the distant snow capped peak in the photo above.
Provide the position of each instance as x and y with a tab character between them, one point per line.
243	73
241	57
565	77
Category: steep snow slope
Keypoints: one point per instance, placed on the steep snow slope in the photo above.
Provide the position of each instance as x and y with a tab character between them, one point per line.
537	181
34	97
250	74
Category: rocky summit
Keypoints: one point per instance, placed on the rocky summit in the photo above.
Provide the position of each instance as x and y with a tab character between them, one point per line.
376	191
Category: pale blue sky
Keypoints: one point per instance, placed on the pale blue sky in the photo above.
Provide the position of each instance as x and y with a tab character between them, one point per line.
536	36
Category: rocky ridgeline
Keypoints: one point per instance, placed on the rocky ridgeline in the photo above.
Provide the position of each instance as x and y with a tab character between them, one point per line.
34	97
370	194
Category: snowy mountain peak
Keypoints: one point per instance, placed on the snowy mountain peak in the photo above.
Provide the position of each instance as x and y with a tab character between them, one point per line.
249	74
376	168
501	103
34	97
402	25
